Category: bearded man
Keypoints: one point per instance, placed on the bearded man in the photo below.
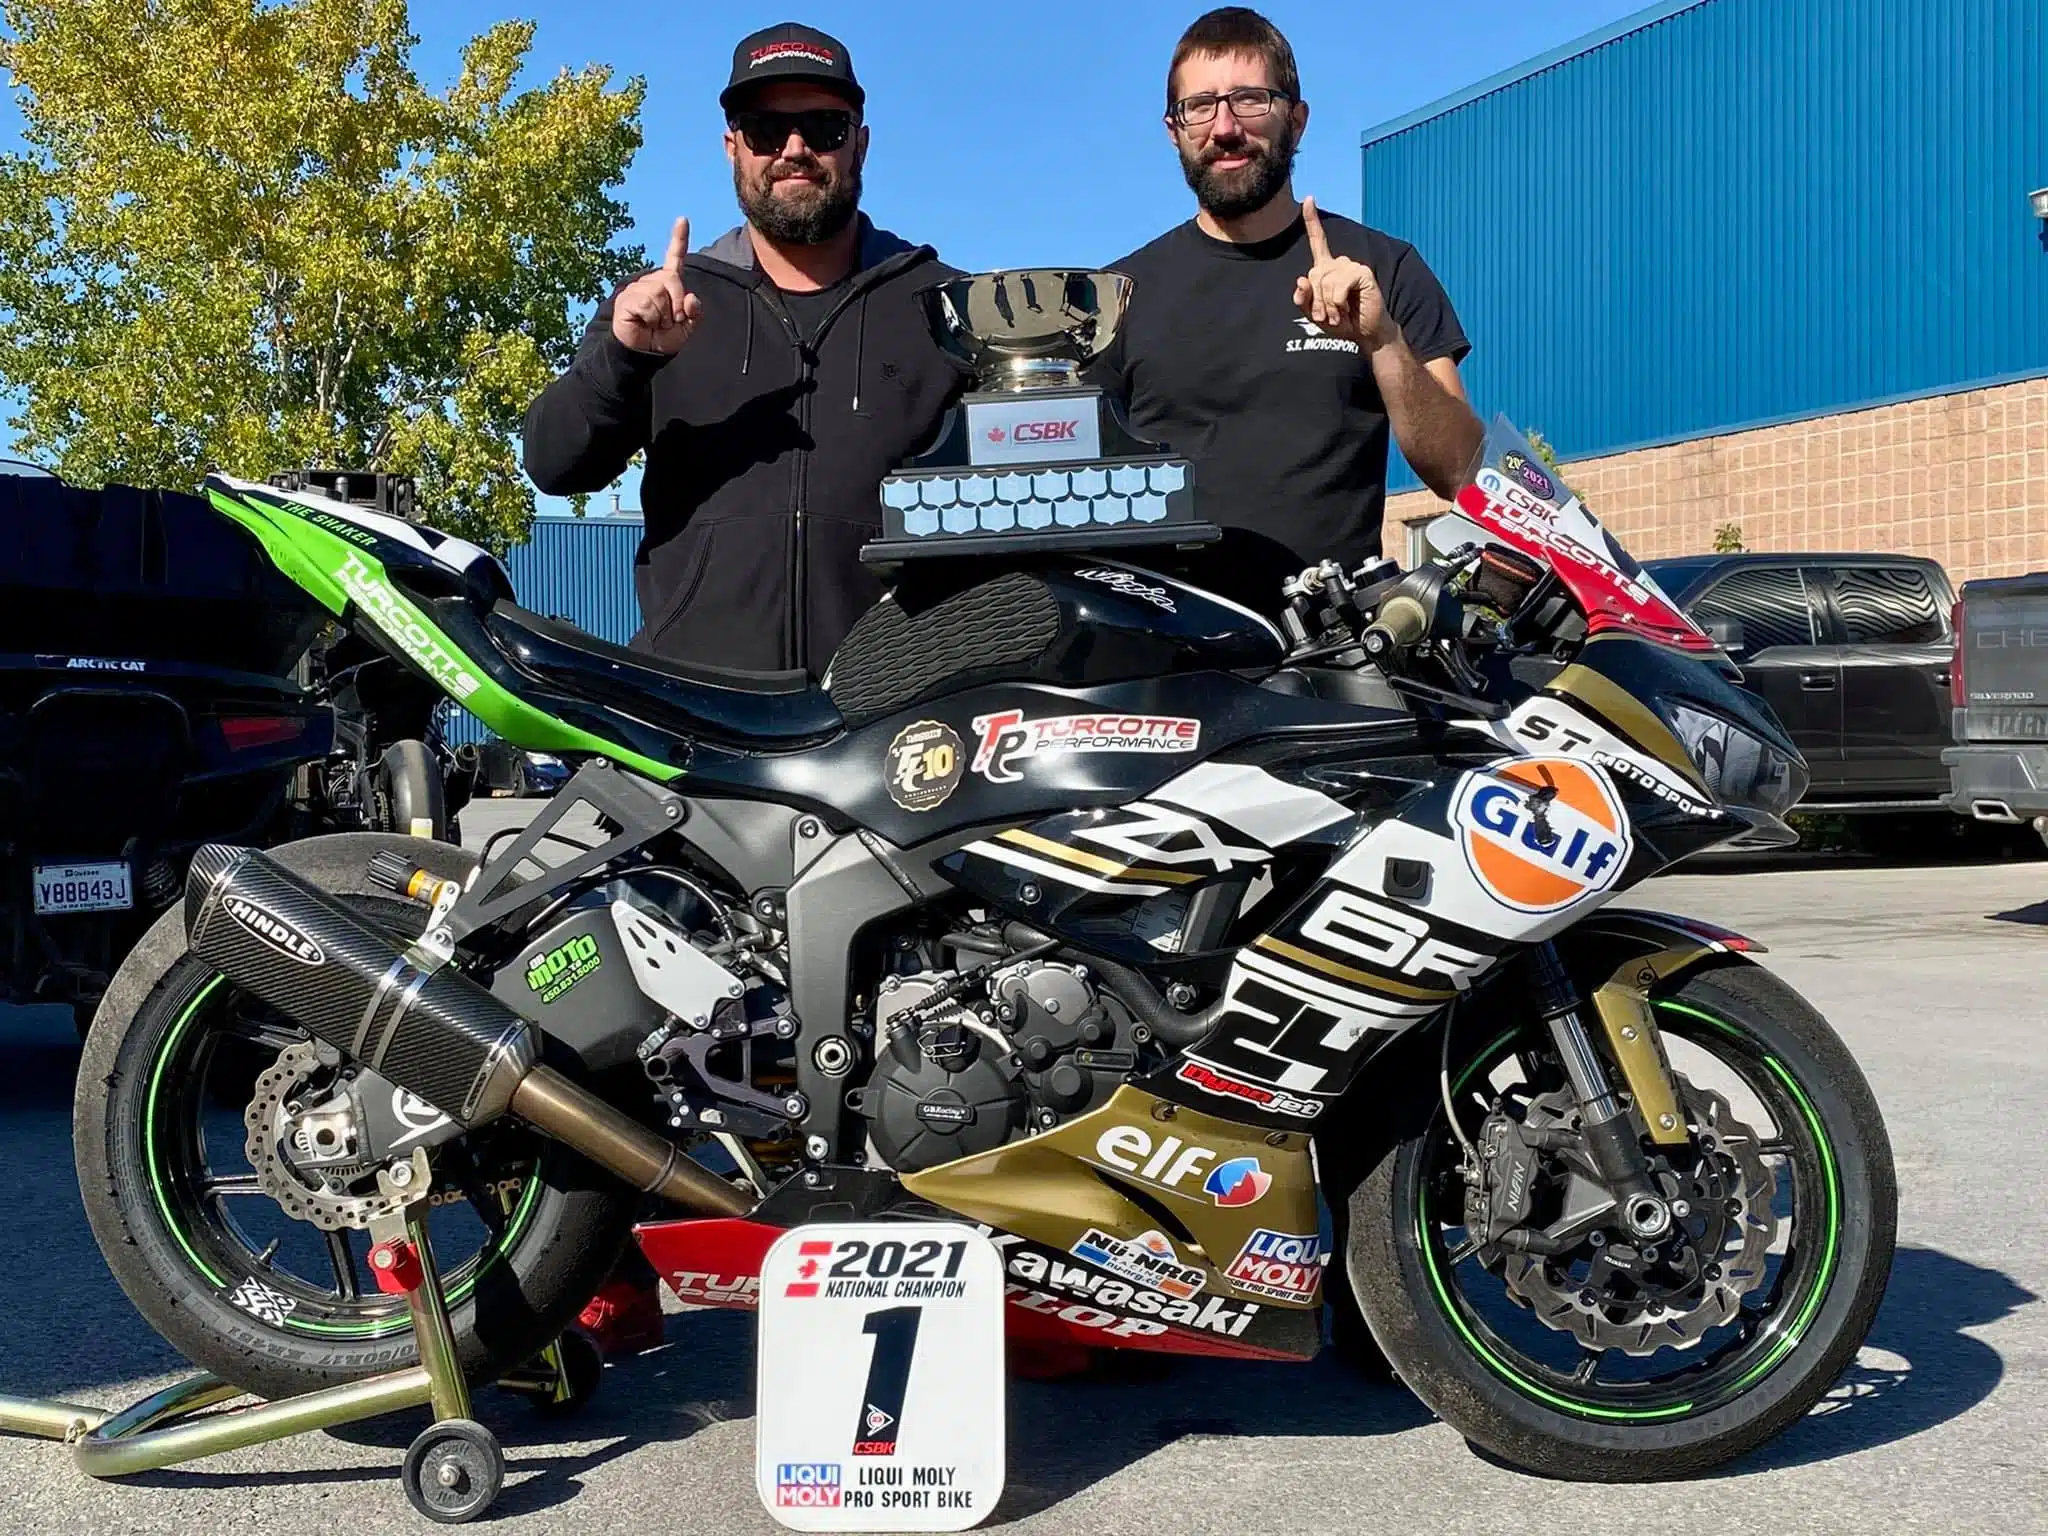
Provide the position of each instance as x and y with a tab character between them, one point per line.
772	379
1275	346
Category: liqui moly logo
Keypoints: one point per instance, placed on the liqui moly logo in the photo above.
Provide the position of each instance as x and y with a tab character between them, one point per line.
808	1485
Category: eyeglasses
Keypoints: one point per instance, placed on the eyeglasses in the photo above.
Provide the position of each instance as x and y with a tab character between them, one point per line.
824	129
1247	104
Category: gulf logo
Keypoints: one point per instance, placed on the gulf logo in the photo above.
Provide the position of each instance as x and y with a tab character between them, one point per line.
1542	832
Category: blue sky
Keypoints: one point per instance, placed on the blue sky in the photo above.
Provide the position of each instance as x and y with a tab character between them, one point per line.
1009	135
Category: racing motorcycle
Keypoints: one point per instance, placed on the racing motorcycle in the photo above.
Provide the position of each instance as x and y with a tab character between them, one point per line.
1213	967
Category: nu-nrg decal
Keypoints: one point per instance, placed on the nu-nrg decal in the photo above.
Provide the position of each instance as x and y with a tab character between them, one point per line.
1302	998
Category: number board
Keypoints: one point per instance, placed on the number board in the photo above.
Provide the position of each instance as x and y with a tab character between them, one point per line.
880	1389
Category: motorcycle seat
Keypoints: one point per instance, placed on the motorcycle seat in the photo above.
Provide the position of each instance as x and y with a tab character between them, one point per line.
771	711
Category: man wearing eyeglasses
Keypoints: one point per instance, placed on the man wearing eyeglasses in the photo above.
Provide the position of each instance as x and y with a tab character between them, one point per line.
1276	346
772	379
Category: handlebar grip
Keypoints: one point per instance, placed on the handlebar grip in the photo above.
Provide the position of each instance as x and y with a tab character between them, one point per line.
1401	622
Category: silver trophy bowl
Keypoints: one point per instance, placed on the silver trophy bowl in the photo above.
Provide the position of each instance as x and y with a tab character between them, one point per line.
1032	328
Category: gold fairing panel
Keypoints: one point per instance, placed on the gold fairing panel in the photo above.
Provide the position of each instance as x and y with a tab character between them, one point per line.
1631	719
1138	1164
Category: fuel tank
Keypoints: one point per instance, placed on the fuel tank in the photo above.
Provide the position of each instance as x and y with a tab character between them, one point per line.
1070	623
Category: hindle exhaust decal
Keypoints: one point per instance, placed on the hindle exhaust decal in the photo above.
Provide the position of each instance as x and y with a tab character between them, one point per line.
274	931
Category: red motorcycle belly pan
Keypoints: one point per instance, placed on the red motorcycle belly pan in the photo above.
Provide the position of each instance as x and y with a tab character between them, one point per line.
716	1262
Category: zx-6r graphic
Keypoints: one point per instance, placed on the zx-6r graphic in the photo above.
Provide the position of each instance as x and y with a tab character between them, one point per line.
1078	903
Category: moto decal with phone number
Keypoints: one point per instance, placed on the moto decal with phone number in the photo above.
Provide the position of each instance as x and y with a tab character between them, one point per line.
886	1270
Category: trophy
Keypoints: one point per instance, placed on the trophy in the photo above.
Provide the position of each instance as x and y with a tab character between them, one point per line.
1032	455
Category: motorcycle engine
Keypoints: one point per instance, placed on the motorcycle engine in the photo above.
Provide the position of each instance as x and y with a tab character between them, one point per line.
964	1068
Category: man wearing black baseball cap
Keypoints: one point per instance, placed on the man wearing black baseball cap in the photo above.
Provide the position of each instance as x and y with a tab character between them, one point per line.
772	378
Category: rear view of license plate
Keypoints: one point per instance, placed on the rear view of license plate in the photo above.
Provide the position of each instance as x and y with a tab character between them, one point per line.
83	887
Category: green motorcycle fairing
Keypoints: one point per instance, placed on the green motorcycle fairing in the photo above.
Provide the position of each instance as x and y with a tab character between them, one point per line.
420	594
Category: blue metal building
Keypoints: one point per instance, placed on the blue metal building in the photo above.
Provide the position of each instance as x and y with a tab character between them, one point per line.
1718	214
574	568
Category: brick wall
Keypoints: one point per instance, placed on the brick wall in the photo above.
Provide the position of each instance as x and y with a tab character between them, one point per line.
1963	478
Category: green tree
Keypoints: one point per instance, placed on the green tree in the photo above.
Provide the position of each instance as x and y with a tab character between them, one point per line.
1728	539
246	236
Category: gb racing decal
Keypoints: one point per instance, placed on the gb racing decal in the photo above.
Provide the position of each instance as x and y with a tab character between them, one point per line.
1007	738
1541	833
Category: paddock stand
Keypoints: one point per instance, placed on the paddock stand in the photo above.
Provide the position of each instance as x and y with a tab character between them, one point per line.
453	1469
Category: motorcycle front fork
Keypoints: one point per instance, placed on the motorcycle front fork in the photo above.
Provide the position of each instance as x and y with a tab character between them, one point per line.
1610	1139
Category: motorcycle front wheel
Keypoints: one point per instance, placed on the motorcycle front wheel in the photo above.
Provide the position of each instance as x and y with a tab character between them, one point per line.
1616	1363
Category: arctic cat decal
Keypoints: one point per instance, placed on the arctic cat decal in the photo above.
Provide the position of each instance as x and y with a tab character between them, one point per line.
419	640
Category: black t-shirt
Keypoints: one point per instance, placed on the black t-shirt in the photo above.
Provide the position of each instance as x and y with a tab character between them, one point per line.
807	311
1284	425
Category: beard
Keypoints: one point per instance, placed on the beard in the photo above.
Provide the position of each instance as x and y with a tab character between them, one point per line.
808	212
1247	188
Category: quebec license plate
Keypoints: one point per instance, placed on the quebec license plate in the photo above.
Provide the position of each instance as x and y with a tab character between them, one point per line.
83	887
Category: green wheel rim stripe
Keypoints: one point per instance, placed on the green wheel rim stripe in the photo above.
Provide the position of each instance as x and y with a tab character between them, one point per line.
1816	1294
149	1144
521	1213
1824	1277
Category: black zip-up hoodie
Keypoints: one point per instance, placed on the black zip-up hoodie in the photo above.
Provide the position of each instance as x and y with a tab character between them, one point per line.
764	456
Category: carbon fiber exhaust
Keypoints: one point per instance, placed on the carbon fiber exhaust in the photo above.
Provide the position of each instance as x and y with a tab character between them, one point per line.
433	1032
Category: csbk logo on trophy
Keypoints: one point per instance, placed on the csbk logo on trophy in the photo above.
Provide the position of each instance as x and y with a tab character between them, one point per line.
1541	833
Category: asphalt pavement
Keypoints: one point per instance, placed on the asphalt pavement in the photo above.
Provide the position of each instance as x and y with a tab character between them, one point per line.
1933	975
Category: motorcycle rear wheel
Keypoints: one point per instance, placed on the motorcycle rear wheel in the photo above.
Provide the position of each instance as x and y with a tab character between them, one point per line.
525	1230
1684	1411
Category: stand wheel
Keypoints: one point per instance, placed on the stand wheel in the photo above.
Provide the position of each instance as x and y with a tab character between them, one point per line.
453	1471
582	1373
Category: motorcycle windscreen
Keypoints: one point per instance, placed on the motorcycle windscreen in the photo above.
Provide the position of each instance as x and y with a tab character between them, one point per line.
1513	498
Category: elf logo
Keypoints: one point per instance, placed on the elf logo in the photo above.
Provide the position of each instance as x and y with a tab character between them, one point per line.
1542	833
1172	1163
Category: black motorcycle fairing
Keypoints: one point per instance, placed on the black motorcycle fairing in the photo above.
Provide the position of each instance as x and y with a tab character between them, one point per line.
769	711
1010	761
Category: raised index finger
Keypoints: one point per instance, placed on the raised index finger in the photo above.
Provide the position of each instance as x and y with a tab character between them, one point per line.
678	246
1318	242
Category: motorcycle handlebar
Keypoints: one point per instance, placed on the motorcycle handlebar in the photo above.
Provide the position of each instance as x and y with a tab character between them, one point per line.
1401	622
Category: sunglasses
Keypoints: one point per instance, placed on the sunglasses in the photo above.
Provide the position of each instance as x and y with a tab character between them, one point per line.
824	129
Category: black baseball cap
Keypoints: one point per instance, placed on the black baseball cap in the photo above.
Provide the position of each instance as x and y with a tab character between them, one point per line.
791	51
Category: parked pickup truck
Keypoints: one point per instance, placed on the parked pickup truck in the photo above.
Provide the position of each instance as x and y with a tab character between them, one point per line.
1852	651
1998	768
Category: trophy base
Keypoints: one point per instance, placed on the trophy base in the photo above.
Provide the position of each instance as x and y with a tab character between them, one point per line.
1058	541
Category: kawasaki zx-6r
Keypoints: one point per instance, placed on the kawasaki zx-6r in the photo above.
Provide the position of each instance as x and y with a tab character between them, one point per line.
1077	903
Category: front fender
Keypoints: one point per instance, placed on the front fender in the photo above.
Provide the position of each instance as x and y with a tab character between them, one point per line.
1619	958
